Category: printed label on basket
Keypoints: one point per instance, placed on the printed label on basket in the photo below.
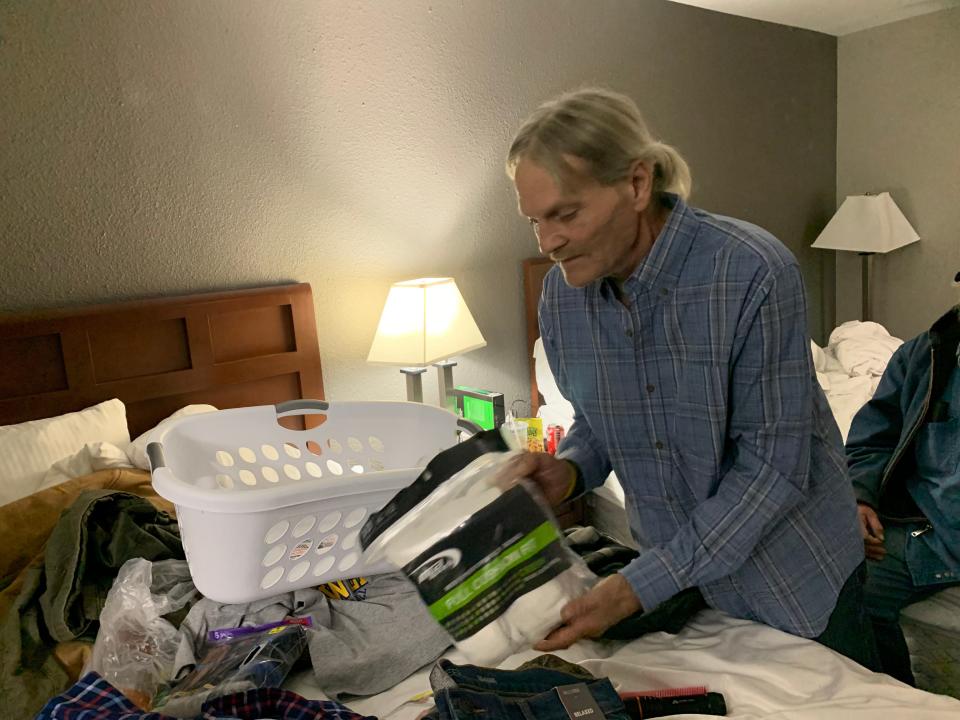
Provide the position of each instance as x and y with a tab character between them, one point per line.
301	549
507	549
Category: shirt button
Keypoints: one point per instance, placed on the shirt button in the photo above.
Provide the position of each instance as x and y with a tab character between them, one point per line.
650	388
664	291
658	445
629	332
938	576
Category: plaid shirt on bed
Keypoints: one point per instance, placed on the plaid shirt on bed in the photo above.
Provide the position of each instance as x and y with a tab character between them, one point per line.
701	395
93	698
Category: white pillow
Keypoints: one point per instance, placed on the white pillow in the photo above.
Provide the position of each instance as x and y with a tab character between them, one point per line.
29	449
138	448
819	358
93	457
546	383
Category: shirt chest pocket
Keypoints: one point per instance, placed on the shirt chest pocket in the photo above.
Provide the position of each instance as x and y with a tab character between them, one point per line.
938	452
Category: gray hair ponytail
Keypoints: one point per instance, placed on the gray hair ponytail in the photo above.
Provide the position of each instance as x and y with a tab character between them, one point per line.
606	130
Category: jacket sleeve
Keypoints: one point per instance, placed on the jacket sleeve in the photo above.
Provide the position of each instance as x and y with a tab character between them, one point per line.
876	430
768	436
579	445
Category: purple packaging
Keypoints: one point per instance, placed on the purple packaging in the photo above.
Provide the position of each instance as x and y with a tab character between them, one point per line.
227	634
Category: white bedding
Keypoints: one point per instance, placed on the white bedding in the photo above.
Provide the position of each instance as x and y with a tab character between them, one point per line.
762	673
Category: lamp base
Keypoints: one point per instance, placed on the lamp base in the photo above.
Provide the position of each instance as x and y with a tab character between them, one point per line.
865	261
414	383
445	384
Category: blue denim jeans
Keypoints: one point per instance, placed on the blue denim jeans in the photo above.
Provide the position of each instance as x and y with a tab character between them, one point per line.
903	577
468	691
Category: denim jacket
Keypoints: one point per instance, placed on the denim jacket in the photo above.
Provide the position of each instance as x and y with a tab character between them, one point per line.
883	431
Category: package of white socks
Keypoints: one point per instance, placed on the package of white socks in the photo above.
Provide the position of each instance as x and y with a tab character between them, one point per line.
487	557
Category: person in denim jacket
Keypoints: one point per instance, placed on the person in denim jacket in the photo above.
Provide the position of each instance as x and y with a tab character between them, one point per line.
903	452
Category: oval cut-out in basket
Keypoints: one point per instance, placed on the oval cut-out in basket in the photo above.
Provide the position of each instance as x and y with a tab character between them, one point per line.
298	571
272	578
269	452
355	517
324	565
301	549
304	525
329	521
269	474
348	561
277	532
349	541
314	447
274	554
292	450
325	544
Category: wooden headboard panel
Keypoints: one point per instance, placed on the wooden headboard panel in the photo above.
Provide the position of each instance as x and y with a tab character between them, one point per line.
534	270
228	349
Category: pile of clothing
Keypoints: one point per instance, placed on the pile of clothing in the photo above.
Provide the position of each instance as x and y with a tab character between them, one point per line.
82	534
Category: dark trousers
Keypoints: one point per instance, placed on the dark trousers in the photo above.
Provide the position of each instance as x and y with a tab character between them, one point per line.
889	589
849	630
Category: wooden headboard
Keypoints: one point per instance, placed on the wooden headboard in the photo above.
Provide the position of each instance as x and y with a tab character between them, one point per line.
228	349
534	270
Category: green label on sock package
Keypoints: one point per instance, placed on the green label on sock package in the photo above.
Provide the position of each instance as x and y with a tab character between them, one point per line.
494	571
471	577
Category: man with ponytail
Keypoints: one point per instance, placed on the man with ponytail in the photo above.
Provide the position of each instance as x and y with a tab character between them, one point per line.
680	338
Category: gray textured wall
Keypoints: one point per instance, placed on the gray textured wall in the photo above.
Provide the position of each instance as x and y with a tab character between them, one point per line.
898	129
167	147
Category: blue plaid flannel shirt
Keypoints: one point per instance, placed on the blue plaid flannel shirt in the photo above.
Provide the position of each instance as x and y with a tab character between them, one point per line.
93	698
701	396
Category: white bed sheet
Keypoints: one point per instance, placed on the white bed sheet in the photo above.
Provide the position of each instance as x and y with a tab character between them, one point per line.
762	673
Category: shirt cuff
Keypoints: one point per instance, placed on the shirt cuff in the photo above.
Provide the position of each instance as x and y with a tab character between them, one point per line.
589	468
652	579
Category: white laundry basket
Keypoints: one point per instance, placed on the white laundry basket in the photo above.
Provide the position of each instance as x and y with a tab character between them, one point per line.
264	509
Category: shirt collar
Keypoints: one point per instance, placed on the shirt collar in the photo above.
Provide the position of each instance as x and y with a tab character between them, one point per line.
661	268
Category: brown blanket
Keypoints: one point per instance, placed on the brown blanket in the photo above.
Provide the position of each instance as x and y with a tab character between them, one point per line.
26	525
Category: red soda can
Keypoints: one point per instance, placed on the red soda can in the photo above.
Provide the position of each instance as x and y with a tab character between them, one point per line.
554	435
558	434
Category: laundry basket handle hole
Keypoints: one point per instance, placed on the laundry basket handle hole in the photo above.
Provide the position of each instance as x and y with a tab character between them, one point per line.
301	414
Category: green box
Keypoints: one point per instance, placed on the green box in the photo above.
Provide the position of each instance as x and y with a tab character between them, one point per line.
483	407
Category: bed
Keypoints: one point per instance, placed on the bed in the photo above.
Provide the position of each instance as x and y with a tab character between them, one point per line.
259	346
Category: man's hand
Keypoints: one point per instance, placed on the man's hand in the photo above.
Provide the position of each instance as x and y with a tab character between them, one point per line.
609	602
553	476
872	530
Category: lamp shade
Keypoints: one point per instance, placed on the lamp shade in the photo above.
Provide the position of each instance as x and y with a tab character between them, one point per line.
867	224
424	321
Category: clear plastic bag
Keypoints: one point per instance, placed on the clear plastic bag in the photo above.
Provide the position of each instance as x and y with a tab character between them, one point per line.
246	662
136	646
487	557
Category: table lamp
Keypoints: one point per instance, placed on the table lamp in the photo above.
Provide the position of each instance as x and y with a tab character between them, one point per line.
425	322
867	224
